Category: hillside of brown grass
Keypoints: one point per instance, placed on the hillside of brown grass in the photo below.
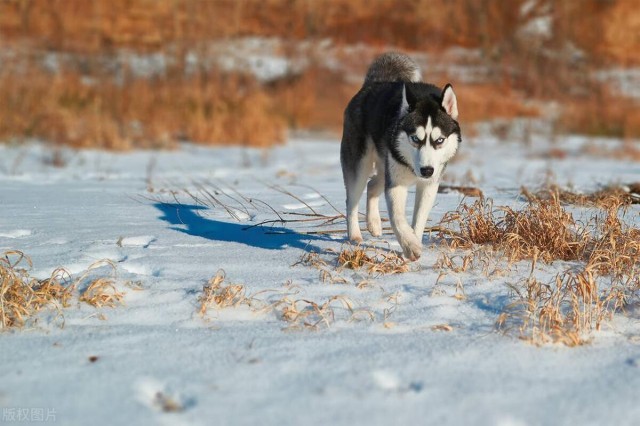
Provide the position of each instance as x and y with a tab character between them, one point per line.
89	101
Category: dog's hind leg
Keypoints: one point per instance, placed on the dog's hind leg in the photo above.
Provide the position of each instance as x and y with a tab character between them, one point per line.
374	189
354	181
425	196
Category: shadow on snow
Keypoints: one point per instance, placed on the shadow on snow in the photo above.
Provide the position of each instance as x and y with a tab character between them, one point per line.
189	221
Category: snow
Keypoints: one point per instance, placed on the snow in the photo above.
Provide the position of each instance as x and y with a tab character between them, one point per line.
239	366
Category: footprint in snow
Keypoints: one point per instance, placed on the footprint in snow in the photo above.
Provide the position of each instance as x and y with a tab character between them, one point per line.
140	241
153	394
388	381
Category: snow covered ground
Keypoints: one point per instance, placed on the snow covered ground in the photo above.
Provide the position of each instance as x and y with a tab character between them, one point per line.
239	366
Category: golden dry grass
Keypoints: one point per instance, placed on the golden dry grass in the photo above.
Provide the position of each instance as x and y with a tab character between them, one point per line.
373	261
101	291
307	314
87	106
540	230
219	295
567	308
610	196
138	113
91	26
603	277
22	296
298	313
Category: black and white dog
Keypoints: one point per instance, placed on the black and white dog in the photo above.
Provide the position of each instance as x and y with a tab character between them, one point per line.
406	131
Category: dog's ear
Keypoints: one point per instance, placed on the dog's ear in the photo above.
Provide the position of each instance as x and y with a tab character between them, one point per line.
408	101
449	101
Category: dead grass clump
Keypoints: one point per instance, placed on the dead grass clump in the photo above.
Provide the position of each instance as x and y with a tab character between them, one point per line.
374	260
327	273
307	314
615	251
216	294
22	296
541	230
101	291
610	196
574	303
567	308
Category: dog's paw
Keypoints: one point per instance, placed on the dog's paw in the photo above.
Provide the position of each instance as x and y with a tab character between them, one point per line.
355	237
374	226
412	248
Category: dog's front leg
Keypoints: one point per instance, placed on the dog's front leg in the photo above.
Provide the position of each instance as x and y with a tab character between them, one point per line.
425	196
396	196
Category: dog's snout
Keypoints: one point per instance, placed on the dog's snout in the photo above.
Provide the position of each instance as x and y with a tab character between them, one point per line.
426	171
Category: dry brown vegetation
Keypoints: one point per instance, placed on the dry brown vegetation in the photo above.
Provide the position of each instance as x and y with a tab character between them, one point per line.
23	297
138	113
219	295
603	276
614	195
87	103
298	312
373	261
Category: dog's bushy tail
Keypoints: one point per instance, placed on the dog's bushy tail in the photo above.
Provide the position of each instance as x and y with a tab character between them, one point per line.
391	67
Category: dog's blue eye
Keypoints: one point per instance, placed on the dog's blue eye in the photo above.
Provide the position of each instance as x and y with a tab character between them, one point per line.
415	139
439	141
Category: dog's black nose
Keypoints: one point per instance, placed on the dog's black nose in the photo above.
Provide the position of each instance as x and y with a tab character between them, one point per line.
426	171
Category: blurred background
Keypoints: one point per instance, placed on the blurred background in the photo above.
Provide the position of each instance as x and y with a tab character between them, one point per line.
123	74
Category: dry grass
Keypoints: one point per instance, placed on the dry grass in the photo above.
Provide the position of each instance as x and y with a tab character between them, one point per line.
610	196
88	105
307	314
91	26
101	291
541	230
374	261
219	295
566	309
604	251
22	296
137	113
299	313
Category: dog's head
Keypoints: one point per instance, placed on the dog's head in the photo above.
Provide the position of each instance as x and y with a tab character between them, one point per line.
429	132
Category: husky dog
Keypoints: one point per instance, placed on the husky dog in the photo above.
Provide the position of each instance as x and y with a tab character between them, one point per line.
406	131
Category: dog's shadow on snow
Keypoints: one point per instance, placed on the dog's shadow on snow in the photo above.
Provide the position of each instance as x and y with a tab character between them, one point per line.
186	219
